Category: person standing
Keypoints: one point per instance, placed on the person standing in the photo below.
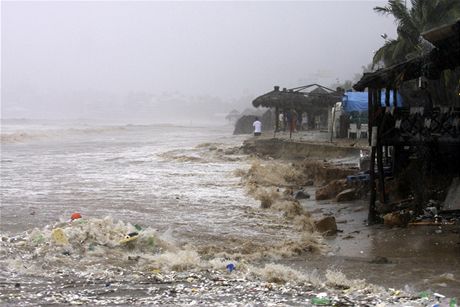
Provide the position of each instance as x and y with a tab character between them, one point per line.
281	121
257	127
304	121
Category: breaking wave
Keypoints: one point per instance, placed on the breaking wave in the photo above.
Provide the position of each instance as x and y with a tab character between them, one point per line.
92	251
101	248
31	135
205	153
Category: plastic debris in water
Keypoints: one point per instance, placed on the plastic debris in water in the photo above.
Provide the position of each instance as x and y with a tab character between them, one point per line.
59	237
75	216
230	267
439	295
130	237
424	294
453	302
38	239
320	301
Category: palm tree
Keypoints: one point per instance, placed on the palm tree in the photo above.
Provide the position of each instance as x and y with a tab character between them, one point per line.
411	22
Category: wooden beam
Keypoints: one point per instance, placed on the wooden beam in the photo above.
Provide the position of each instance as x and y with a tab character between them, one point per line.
372	214
382	193
387	97
380	126
369	115
277	115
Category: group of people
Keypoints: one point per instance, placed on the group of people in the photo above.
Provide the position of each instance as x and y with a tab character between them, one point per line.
289	119
293	120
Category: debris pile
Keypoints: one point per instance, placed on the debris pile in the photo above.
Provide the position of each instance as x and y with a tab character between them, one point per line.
433	212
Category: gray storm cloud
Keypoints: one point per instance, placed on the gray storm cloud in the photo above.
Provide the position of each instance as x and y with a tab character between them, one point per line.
87	59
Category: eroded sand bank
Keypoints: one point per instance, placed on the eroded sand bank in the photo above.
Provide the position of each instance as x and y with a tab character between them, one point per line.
415	258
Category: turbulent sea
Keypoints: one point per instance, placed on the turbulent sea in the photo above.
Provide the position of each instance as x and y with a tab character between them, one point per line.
202	239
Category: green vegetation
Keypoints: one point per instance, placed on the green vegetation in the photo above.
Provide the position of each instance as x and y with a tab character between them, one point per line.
419	16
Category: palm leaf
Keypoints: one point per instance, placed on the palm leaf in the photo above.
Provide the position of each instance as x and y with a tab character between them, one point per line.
385	53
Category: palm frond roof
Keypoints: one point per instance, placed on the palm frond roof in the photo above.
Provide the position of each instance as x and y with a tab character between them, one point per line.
446	55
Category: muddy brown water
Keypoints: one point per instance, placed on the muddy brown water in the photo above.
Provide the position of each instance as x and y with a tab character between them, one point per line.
418	258
158	177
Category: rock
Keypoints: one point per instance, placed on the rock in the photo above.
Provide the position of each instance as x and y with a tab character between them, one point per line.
231	151
396	219
331	190
301	195
244	123
309	182
380	260
346	195
326	226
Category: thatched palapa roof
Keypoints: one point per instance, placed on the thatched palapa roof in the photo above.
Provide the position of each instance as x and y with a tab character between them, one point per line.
298	98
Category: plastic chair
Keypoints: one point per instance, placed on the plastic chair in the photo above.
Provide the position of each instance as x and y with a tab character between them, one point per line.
363	130
353	129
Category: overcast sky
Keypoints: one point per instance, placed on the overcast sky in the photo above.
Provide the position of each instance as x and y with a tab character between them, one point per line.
217	48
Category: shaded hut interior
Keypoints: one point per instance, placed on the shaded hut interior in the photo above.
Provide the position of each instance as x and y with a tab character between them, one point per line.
315	100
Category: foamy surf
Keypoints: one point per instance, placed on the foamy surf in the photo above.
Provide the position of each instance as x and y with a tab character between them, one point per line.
94	264
202	239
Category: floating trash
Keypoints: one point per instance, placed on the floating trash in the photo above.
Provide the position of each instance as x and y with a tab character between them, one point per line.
320	301
75	216
59	237
130	237
230	267
91	267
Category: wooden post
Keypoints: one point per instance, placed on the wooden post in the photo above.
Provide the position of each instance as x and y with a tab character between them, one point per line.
382	193
380	125
396	157
372	218
277	115
369	115
395	101
333	124
387	97
385	148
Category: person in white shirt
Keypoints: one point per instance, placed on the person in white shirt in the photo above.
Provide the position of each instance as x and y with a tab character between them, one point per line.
257	127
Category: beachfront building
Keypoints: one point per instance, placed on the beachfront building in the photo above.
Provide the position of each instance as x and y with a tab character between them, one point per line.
415	144
300	108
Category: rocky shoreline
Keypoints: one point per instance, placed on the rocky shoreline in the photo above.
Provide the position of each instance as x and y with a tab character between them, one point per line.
390	256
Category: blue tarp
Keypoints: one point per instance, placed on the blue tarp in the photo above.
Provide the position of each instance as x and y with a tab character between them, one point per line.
357	101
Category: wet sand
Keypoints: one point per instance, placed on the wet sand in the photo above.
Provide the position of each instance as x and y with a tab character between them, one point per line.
416	258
